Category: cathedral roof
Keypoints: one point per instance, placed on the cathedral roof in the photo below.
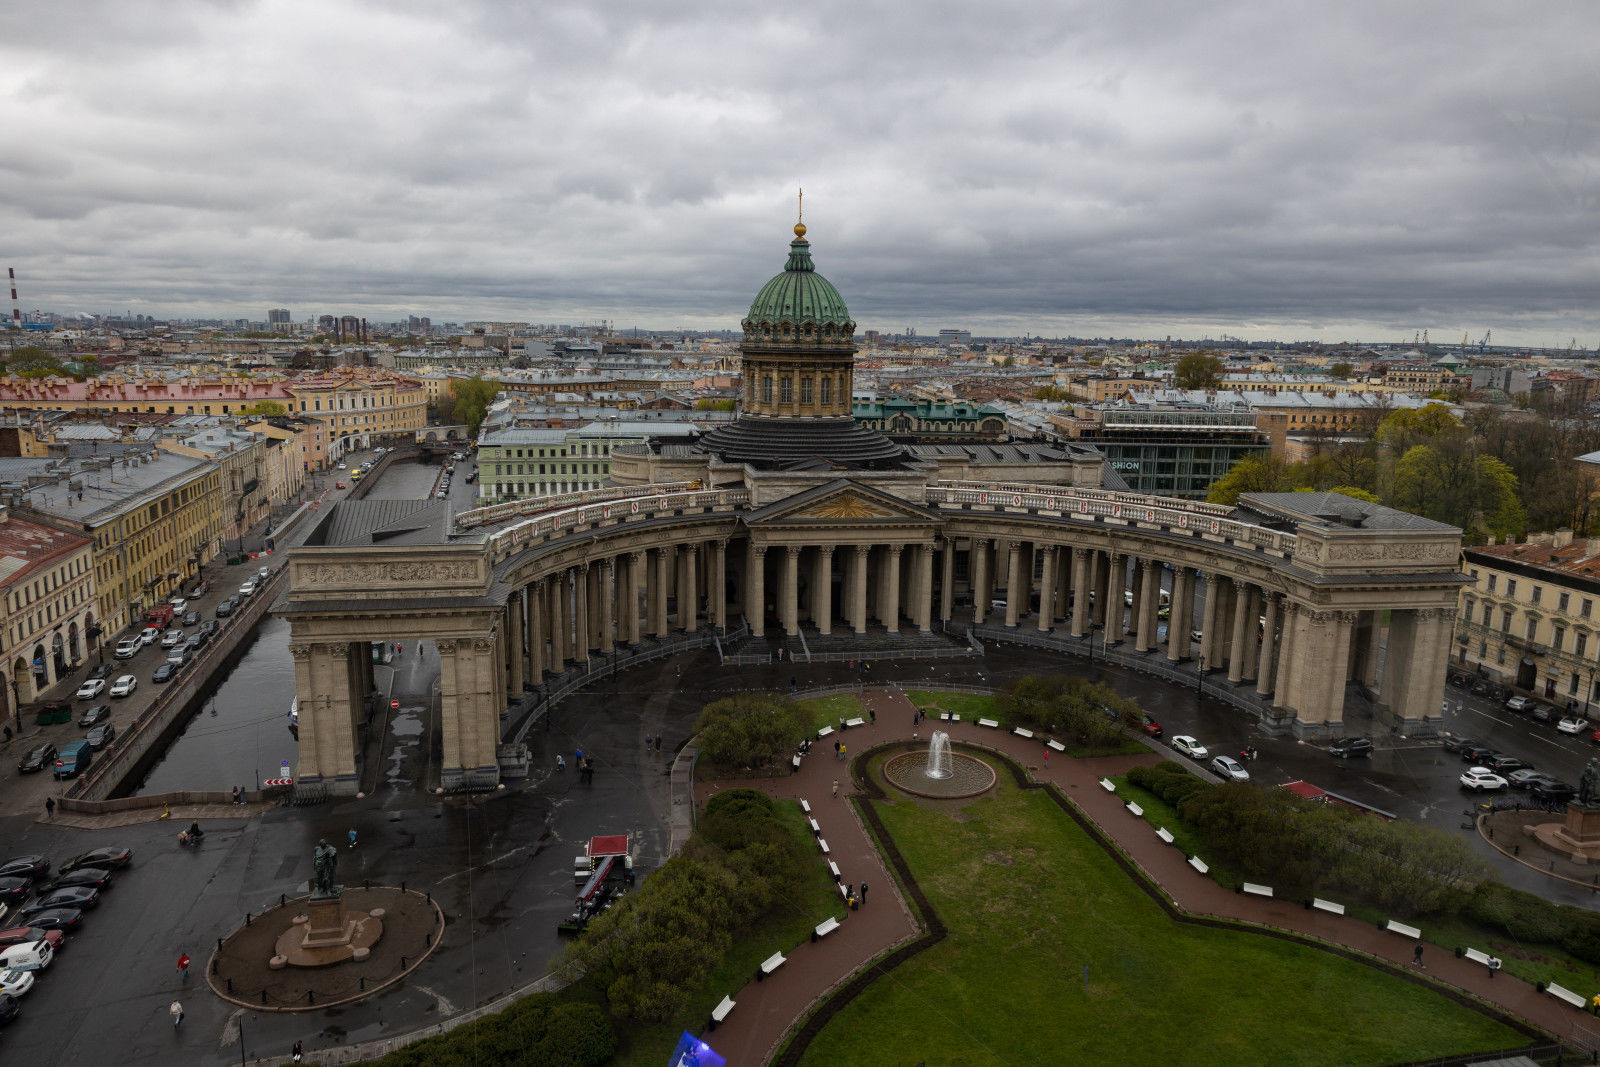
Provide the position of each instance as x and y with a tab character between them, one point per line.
800	295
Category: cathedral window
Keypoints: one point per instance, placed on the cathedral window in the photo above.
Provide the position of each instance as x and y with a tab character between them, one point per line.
827	390
787	390
805	390
766	389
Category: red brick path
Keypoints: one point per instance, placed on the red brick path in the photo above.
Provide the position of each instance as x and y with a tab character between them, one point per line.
766	1009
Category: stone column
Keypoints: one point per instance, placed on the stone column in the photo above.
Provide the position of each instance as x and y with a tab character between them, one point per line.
1265	658
981	579
1149	605
1414	665
754	593
1099	562
822	590
558	621
1236	647
1210	620
1178	614
858	588
608	587
580	622
596	591
719	584
664	557
924	603
947	579
891	613
514	635
789	597
1047	588
689	591
312	711
1252	634
628	597
1136	599
1283	677
536	632
1015	589
1080	592
1323	657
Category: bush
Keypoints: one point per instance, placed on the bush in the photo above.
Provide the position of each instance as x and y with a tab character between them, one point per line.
750	730
536	1029
1090	713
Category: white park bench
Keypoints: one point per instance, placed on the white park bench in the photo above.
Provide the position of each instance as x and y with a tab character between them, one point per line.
834	867
1403	930
1020	732
1165	835
1057	745
1135	809
824	929
825	731
805	807
823	844
1563	993
945	716
814	827
857	721
796	761
1108	785
770	964
1327	905
1199	864
720	1012
1257	890
1477	956
990	723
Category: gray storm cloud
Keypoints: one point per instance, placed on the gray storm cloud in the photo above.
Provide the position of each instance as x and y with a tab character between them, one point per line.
1284	169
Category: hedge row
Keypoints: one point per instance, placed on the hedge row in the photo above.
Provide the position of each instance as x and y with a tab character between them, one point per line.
536	1029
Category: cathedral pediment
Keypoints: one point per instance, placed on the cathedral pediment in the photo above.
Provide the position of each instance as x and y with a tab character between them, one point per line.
841	501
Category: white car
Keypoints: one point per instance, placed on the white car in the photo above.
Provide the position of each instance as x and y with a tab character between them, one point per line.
1482	779
1230	769
128	647
124	686
149	635
15	983
1189	747
262	573
34	956
92	688
179	604
341	465
248	588
171	637
1573	724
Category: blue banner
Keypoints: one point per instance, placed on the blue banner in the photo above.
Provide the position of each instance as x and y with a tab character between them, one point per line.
692	1052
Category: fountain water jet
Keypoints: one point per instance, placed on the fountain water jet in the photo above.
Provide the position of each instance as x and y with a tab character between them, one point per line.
939	755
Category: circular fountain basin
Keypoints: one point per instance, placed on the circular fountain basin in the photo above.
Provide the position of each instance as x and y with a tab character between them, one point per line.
969	776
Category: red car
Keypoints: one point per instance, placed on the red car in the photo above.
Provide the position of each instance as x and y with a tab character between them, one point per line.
338	485
1150	725
27	935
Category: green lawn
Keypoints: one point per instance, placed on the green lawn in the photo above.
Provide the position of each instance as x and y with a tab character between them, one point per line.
787	926
1159	813
1032	905
826	711
969	706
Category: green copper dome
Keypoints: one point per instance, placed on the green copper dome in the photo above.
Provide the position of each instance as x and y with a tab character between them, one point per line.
801	297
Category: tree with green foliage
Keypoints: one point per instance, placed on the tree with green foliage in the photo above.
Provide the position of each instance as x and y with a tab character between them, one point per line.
264	409
541	1028
1052	393
1342	371
711	403
472	400
750	730
1198	370
1253	474
1090	713
31	361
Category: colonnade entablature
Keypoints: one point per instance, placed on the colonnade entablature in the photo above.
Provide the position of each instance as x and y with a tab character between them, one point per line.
1293	593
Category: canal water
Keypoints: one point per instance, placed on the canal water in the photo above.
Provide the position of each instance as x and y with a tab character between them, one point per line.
242	730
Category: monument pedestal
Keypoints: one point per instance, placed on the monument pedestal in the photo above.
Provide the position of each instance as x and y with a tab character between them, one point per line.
1578	838
326	934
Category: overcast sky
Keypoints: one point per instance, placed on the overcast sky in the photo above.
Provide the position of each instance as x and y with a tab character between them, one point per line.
1297	170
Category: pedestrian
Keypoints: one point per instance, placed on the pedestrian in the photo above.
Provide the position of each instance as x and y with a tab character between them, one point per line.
842	751
561	762
872	715
791	683
176	1011
658	742
863	894
298	1051
1047	759
1416	956
1594	1005
183	967
836	748
233	795
1494	965
849	889
352	837
853	904
836	787
580	757
49	807
8	735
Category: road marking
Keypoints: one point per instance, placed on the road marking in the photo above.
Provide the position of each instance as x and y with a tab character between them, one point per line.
446	1008
490	862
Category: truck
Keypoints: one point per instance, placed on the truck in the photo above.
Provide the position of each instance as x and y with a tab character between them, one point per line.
159	616
603	873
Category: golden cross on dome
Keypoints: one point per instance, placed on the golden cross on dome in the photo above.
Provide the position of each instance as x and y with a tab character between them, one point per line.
800	223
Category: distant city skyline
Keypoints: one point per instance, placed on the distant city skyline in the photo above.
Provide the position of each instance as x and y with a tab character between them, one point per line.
1290	171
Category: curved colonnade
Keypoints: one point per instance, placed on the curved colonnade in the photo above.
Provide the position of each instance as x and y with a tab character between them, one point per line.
1291	604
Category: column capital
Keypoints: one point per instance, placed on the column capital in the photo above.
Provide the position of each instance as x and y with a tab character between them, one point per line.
981	542
1240	584
336	649
637	557
581	568
482	645
862	550
1079	552
793	550
1349	617
446	646
300	650
896	549
1152	565
663	550
1013	544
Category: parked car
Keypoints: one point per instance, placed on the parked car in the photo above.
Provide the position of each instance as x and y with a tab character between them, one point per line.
124	686
101	736
25	867
149	635
248	589
180	655
111	857
1526	778
128	647
1149	724
94	715
73	759
1501	763
1230	768
14	983
201	588
1553	792
81	877
1482	780
78	897
207	629
14	890
171	637
1573	724
226	608
1543	713
31	956
1458	744
22	935
191	618
1189	746
263	573
1519	703
102	671
64	919
179	605
91	689
37	759
338	485
166	672
1350	747
1477	753
9	1009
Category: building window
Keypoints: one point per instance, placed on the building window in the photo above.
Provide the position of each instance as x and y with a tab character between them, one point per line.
786	391
1580	643
1505	620
805	390
766	389
1558	638
1563	601
1538	593
827	390
1511	587
1533	628
1586	608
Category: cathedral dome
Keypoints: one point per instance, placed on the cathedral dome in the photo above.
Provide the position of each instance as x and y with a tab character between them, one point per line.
799	306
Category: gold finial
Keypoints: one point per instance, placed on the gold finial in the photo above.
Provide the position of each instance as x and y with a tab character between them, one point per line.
800	223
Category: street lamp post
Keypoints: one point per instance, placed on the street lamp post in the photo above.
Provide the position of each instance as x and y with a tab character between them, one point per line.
1199	682
16	704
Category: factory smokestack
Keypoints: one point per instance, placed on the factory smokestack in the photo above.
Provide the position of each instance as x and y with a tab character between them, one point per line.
16	308
363	331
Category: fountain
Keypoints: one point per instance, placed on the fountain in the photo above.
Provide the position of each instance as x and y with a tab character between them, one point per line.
939	756
941	773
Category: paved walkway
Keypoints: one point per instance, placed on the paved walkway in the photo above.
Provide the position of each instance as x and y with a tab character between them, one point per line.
765	1010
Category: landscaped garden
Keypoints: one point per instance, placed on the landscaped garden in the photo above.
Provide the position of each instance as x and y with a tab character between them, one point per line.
1054	955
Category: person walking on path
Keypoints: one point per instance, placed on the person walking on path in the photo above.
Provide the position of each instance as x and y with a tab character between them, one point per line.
835	749
872	716
1416	956
842	751
298	1051
836	787
561	762
1594	1005
352	837
183	967
176	1011
1494	965
1047	759
658	742
863	894
49	807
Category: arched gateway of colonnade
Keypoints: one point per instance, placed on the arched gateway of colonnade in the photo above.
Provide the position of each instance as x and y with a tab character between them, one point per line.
1293	595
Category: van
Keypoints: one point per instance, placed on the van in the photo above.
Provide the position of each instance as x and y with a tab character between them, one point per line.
73	759
128	647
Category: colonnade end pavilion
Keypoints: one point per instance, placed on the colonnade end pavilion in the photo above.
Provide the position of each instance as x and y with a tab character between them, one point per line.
795	526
